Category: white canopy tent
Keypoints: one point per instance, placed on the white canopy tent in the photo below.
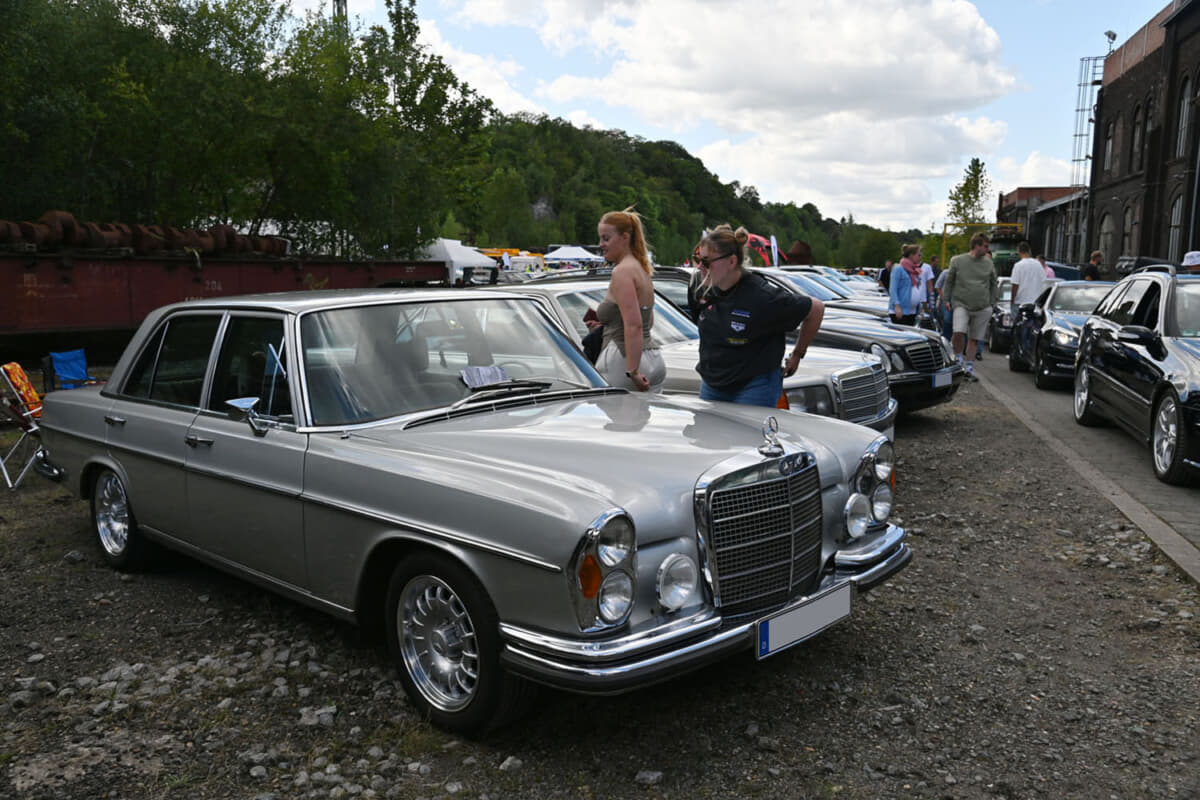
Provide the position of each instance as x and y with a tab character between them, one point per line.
572	253
458	257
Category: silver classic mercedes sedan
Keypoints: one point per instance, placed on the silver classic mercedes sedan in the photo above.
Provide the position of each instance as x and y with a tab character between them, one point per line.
447	465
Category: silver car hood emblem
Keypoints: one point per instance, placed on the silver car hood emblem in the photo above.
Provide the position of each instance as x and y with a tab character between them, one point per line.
770	431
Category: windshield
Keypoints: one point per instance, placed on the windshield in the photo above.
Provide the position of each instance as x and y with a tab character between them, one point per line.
1078	299
379	361
831	283
670	324
810	287
1187	308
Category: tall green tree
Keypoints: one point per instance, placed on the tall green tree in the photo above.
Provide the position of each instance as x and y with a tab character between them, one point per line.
969	197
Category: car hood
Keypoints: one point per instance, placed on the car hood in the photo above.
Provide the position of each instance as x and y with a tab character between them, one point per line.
816	366
576	458
1068	322
870	328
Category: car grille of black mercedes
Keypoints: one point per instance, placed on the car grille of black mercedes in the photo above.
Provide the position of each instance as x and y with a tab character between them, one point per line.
925	357
865	393
765	543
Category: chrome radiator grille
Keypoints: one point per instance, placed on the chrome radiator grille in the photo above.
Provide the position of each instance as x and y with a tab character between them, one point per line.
925	357
865	393
765	542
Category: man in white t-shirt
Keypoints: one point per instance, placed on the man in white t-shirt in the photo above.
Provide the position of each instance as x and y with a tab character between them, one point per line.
1028	277
927	285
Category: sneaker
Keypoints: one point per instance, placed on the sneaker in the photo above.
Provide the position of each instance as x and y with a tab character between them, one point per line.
970	376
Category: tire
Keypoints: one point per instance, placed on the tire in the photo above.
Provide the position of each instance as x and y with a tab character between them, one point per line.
1041	376
991	339
121	542
1015	364
444	636
1168	440
1082	401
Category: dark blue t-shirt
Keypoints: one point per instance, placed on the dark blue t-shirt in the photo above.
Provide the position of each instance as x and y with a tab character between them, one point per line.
742	330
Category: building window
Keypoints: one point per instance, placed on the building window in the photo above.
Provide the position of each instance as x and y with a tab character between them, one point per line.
1173	239
1108	144
1127	233
1106	236
1135	152
1185	107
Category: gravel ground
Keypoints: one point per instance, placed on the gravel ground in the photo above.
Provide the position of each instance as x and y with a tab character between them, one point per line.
1039	646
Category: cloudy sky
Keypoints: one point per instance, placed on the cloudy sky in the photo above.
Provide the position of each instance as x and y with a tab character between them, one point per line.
871	108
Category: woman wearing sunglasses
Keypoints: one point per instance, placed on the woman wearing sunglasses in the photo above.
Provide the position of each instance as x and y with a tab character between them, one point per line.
743	321
627	356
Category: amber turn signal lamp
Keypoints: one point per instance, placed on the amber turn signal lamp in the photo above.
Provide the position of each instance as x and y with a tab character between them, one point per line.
589	576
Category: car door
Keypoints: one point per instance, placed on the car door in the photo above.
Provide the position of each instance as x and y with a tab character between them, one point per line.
243	486
150	416
1141	363
1114	357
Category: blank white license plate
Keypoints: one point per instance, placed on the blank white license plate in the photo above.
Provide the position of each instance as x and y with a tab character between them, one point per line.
804	621
943	377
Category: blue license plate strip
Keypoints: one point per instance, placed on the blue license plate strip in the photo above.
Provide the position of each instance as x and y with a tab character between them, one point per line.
782	630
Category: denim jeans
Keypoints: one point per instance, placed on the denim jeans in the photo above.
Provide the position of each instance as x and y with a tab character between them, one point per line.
761	391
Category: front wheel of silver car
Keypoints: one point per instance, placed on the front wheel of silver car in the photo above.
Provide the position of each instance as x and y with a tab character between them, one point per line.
121	543
443	634
1168	441
1084	414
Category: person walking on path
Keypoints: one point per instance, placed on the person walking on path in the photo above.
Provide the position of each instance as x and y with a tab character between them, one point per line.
627	357
972	289
743	320
904	287
1028	278
1091	271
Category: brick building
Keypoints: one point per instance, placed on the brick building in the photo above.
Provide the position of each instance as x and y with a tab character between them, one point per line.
1144	186
1042	212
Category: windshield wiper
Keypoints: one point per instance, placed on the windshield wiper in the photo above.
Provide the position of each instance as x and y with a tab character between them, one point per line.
501	389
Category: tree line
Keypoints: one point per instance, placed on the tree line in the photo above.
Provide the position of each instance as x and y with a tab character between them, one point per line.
354	143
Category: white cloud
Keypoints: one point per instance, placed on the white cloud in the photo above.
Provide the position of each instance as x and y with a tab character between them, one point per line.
489	76
1036	170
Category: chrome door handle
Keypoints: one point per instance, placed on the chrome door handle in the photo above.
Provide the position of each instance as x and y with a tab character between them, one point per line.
111	420
192	440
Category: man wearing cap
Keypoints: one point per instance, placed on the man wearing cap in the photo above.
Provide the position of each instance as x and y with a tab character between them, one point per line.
1191	261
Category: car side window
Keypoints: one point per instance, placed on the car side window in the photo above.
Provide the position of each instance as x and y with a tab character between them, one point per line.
253	363
1146	313
171	368
1122	312
1104	307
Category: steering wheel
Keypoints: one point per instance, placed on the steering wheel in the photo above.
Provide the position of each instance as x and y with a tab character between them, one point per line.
515	369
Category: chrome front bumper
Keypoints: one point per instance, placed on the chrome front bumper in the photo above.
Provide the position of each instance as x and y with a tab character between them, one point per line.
630	662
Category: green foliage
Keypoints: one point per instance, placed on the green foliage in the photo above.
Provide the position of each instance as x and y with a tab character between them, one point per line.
350	142
968	197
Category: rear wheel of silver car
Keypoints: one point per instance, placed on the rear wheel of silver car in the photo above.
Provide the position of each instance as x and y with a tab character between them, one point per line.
1168	441
443	633
1082	405
121	543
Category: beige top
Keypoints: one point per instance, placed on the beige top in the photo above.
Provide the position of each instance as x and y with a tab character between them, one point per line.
609	313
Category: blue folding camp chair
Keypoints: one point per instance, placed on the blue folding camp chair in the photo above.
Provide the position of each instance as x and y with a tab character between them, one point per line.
67	370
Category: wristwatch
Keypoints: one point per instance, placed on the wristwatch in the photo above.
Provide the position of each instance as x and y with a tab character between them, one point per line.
633	374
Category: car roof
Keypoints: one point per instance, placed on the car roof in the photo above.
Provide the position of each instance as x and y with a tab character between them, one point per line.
299	302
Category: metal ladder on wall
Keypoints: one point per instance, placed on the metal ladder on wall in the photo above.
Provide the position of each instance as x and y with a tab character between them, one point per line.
1091	76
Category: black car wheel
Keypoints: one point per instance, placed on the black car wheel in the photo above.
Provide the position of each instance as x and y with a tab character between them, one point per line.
121	543
993	346
1082	406
1014	363
1041	375
1168	440
444	635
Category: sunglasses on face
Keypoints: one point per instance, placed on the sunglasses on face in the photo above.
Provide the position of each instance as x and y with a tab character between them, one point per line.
708	262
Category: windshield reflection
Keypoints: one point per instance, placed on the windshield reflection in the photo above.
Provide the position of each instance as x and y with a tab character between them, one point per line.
379	361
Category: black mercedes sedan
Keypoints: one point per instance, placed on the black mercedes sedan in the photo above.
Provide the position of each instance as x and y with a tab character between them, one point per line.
1045	333
1138	365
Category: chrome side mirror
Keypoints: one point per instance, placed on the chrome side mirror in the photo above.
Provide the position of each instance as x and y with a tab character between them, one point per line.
241	409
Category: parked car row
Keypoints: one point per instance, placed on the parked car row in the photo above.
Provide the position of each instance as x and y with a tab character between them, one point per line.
1131	350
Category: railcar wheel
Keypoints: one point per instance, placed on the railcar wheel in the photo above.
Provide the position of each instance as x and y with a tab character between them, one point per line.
1168	441
443	634
121	543
1084	414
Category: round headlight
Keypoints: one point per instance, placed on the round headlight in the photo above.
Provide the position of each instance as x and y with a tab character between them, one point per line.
677	576
616	596
885	461
615	542
881	502
877	350
897	363
858	515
